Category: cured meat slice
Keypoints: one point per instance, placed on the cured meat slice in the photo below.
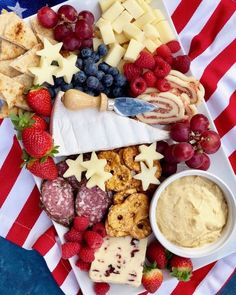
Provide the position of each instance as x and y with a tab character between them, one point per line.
58	200
92	203
170	108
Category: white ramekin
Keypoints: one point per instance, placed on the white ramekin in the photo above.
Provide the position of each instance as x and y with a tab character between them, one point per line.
208	249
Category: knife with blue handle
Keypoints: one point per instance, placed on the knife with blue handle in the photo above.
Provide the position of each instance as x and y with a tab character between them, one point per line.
74	99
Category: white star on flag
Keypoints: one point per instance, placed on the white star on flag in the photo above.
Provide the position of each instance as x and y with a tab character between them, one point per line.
17	9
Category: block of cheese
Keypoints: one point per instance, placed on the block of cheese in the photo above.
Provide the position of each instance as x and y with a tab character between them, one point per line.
120	66
132	31
151	32
114	55
146	18
133	50
140	37
125	46
121	38
121	21
165	31
158	16
107	33
133	8
113	12
100	22
96	43
145	5
105	4
151	45
119	261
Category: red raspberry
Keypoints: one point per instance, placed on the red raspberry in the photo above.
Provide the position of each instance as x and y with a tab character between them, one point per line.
100	229
86	254
131	71
85	266
73	236
150	78
93	240
162	68
181	63
157	253
101	288
145	60
70	249
138	86
81	223
163	85
164	52
174	46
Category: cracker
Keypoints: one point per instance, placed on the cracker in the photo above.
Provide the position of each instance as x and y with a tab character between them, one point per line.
40	31
5	111
9	50
25	80
7	70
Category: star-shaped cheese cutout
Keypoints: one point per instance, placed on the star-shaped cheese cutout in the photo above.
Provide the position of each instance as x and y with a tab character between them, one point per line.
148	154
50	51
75	168
147	176
43	73
99	180
67	67
94	165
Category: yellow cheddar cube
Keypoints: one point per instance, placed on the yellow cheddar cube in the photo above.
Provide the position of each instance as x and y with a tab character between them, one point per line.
151	32
121	21
133	8
133	50
107	33
113	12
165	31
121	38
114	55
105	4
146	18
132	31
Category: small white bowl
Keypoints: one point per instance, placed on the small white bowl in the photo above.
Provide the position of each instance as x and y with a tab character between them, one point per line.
208	249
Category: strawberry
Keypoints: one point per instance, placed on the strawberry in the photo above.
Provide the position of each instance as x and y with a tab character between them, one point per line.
181	63
164	52
70	249
163	85
101	288
100	229
45	169
150	78
81	223
86	254
158	254
73	236
162	68
28	120
131	71
84	266
181	268
39	99
138	86
174	46
145	60
152	278
93	239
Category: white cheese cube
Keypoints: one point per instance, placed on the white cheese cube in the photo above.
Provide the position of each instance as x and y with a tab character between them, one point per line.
108	36
133	8
114	55
145	5
113	12
141	37
165	31
121	21
120	66
121	38
105	4
100	22
150	32
133	50
96	43
132	31
146	18
158	16
151	45
125	46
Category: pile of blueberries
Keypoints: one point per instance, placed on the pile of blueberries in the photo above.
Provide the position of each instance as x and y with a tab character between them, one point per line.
94	77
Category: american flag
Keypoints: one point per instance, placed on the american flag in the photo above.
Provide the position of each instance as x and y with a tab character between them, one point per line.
207	31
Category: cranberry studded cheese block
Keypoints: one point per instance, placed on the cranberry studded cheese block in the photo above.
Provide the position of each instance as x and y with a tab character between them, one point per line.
119	260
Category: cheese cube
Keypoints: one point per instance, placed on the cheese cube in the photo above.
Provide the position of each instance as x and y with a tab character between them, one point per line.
121	38
132	31
146	18
113	12
100	22
150	32
133	50
158	16
108	36
96	43
105	4
165	31
151	45
145	5
125	46
120	66
114	55
133	8
140	38
121	21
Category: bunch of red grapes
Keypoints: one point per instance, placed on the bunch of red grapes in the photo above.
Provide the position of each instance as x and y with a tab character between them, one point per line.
194	142
74	29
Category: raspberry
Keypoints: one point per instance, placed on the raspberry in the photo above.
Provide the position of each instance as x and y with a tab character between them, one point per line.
70	249
85	266
101	288
150	78
100	229
92	239
81	223
131	71
164	52
174	46
162	68
73	236
163	85
138	86
181	63
86	254
145	60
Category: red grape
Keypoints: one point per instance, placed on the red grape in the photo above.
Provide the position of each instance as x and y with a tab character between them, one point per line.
161	146
83	30
205	163
86	43
180	132
61	31
168	155
87	16
210	141
67	13
47	17
71	43
199	123
183	151
196	161
168	168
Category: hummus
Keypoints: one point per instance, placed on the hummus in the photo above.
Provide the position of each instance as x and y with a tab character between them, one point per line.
192	211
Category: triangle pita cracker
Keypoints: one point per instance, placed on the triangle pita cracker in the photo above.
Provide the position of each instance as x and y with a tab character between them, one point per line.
40	30
5	111
9	50
7	70
25	80
4	19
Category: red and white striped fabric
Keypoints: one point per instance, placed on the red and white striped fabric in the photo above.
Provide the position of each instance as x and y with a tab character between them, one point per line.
206	29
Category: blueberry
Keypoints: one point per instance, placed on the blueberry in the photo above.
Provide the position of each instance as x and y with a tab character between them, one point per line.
102	50
107	80
86	52
100	75
52	91
79	63
117	92
103	67
91	69
100	88
107	91
66	86
120	80
92	82
113	71
79	77
58	81
88	91
79	88
88	60
95	57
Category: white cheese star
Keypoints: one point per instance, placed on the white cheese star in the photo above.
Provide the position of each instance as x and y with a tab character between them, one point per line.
148	154
67	67
147	176
99	180
75	168
50	52
94	166
43	73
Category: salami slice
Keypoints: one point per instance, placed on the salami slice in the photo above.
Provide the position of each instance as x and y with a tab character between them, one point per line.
92	203
58	200
62	167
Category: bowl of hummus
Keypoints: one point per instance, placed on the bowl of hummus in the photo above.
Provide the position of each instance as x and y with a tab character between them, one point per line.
193	213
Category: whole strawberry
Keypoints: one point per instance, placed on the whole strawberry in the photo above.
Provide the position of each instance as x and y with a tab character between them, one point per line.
39	100
181	268
45	169
152	278
158	254
28	120
101	288
145	60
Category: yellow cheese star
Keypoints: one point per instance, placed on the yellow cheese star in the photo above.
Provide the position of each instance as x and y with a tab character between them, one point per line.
43	73
147	176
94	166
50	52
148	154
75	168
99	180
67	68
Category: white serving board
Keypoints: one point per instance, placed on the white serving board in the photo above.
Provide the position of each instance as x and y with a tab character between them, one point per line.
219	166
